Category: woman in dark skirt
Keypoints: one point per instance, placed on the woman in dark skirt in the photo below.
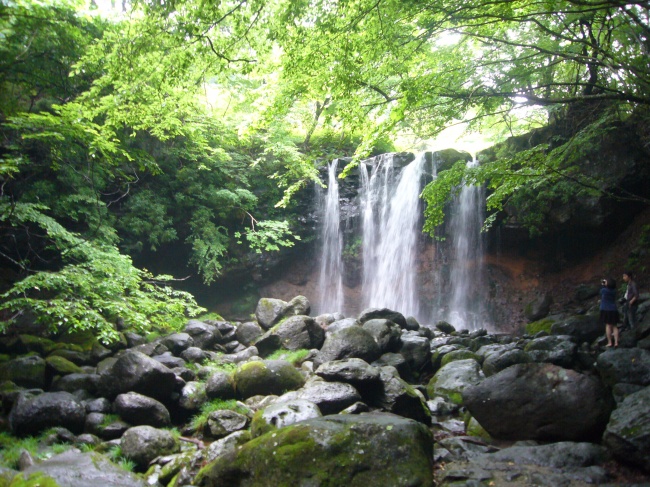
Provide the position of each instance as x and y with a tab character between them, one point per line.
609	311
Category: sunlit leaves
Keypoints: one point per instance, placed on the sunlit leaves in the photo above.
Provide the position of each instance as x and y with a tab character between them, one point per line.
95	287
269	235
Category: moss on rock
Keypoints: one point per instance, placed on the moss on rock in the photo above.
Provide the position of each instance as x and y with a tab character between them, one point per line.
266	377
62	365
542	325
373	449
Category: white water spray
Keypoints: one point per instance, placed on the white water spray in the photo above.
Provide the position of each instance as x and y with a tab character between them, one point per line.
466	276
331	265
391	228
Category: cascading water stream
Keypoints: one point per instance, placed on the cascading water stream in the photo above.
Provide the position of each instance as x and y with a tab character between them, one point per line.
391	217
466	275
384	239
331	266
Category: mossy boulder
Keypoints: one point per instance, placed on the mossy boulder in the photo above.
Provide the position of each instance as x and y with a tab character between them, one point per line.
628	432
541	325
583	328
366	449
452	379
458	355
269	312
40	345
28	371
62	366
283	414
265	377
144	443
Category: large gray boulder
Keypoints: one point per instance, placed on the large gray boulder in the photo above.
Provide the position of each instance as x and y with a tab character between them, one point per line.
398	397
583	328
248	332
298	306
560	350
283	413
75	382
294	333
499	357
366	449
452	379
628	365
269	311
220	385
386	333
137	409
192	396
177	342
628	432
144	443
330	397
223	422
340	324
203	334
354	371
564	464
417	352
538	308
266	377
136	372
352	342
383	313
76	469
540	402
31	415
169	360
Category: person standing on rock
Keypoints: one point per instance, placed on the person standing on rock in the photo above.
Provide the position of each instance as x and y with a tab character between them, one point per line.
631	302
609	311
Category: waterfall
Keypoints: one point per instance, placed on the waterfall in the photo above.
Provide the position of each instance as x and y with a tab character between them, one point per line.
389	263
466	276
391	228
330	281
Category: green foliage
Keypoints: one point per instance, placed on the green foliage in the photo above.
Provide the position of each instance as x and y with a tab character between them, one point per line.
11	448
95	286
269	235
352	249
209	244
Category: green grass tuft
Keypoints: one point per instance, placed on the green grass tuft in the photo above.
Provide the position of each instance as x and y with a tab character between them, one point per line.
294	357
199	421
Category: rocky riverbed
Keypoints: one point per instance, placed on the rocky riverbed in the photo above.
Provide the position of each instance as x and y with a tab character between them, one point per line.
291	399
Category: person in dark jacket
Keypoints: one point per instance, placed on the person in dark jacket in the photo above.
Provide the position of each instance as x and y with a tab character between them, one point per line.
609	311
